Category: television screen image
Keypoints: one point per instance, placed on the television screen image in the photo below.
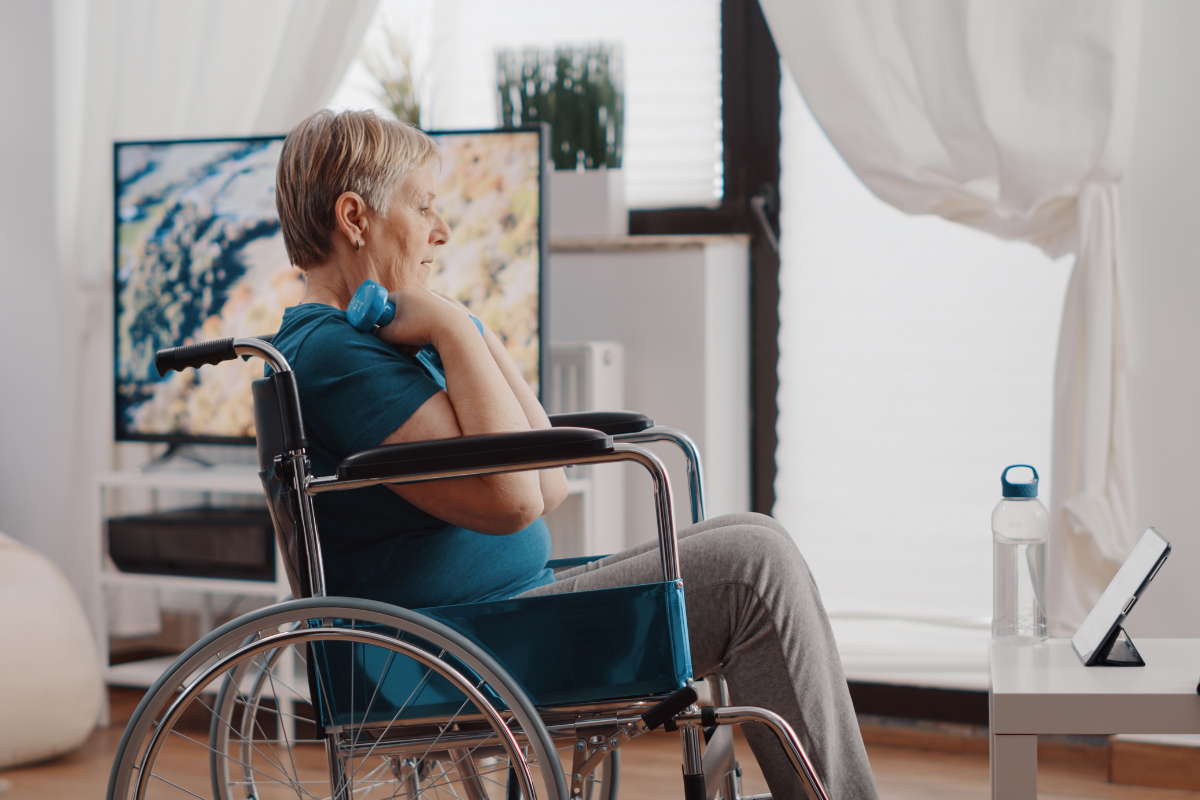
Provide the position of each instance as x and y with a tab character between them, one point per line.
199	255
490	195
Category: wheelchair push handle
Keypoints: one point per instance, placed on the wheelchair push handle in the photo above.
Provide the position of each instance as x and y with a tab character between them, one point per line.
218	350
194	355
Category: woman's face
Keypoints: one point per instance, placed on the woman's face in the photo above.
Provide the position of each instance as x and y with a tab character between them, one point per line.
409	234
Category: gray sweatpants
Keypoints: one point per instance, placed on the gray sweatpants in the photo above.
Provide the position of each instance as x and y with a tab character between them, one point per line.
755	617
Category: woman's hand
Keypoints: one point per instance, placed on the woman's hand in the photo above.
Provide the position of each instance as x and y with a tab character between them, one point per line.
422	317
458	305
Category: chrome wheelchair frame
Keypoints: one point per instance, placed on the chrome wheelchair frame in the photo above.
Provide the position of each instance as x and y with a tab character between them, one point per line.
244	674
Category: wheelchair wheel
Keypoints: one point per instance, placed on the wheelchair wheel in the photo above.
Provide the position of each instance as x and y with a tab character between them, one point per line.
234	717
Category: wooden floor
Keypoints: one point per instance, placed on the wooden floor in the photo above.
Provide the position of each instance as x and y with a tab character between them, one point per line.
650	771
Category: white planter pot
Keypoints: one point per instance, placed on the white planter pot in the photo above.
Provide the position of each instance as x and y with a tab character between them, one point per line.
587	204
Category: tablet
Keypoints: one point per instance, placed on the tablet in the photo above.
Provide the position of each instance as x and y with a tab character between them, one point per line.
1101	640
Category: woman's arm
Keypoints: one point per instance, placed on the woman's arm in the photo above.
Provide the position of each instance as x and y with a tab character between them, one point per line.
553	481
477	400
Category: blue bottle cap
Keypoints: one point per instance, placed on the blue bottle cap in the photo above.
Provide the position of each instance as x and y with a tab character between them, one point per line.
1018	490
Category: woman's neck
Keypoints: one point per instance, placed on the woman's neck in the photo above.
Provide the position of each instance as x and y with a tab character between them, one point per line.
327	284
324	296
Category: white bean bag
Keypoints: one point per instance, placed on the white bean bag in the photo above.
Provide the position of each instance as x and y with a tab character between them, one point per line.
50	682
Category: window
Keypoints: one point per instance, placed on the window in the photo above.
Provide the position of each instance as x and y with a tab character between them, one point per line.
916	361
672	57
747	119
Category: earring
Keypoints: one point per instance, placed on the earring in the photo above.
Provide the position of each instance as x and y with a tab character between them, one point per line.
357	244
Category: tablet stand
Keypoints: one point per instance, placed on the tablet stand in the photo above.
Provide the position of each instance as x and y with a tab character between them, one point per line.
1118	651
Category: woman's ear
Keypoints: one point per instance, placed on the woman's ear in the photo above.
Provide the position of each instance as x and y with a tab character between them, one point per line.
350	218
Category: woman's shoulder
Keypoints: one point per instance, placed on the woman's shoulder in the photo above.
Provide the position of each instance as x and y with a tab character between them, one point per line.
313	325
321	337
309	316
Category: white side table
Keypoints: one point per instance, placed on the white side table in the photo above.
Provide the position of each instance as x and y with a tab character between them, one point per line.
1044	688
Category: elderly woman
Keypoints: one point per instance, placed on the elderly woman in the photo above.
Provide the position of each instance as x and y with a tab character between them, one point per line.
356	202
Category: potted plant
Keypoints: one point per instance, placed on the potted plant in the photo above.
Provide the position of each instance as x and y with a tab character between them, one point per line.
392	66
578	90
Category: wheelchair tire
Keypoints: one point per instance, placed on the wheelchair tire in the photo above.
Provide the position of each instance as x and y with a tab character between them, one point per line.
260	739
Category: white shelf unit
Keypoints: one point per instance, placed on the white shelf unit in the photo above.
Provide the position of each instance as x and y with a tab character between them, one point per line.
225	479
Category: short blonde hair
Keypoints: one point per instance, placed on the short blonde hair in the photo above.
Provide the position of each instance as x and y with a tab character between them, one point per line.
328	154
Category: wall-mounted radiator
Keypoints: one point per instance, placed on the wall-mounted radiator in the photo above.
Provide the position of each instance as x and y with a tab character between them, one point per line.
588	376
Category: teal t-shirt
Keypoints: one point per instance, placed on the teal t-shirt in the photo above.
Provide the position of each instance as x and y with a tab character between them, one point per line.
354	391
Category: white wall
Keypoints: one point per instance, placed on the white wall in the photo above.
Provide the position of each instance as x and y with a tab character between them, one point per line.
681	313
34	353
1160	286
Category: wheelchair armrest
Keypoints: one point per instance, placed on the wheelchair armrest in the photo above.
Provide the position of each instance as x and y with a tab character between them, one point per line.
610	422
473	452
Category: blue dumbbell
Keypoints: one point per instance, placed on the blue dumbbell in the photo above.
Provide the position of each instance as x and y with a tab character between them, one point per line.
370	308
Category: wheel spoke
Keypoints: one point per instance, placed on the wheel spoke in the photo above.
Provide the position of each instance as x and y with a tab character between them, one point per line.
411	696
252	711
296	693
280	723
295	784
378	684
437	738
176	785
282	714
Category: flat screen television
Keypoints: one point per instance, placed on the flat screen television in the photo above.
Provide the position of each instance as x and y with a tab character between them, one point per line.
199	255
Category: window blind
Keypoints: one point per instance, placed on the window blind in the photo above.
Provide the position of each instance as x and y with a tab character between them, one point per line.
672	66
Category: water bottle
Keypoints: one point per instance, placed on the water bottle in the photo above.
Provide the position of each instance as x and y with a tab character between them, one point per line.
1020	525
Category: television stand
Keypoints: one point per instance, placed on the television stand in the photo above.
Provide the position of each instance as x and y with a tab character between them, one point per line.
176	450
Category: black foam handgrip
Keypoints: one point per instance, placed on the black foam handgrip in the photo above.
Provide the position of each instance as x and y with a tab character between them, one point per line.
194	355
668	708
613	423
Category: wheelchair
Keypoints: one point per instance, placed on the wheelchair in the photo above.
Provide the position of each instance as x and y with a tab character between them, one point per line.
340	698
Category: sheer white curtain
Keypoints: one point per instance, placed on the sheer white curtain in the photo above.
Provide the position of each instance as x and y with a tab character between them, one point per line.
142	69
1016	119
916	359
